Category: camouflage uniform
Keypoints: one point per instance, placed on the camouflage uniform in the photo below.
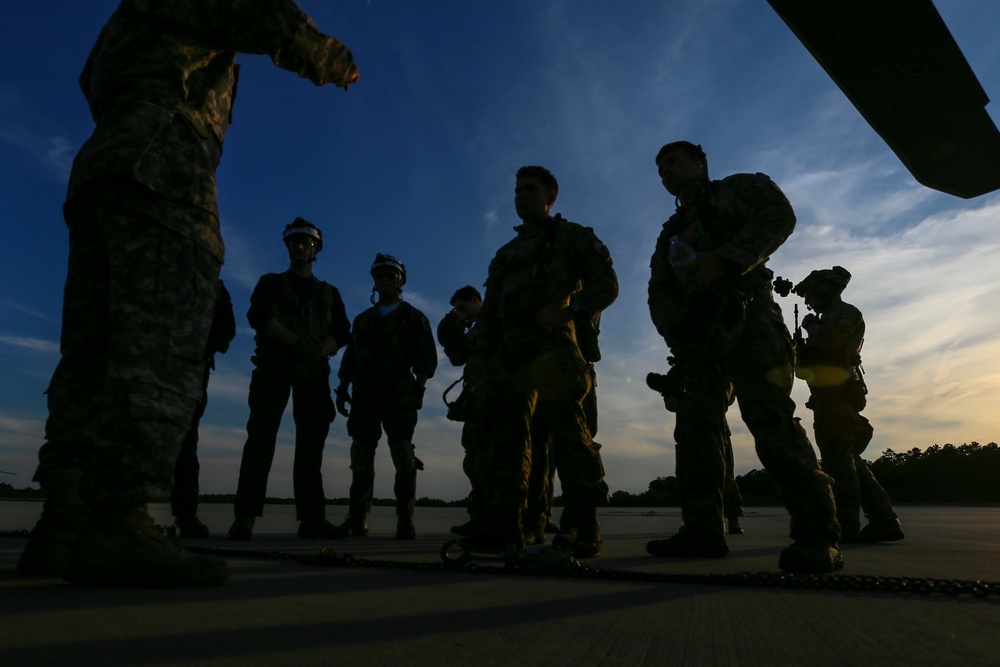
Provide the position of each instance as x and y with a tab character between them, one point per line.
184	497
742	219
145	249
458	341
830	364
385	352
313	311
533	372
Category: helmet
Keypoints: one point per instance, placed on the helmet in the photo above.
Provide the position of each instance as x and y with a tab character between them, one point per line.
302	227
832	280
390	261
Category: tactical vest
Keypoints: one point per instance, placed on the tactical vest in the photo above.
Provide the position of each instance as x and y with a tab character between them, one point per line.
310	320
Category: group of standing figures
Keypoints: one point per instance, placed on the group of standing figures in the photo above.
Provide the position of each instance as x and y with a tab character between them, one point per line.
144	312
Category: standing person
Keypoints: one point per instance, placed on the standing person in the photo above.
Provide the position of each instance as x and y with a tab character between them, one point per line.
553	277
300	322
457	335
388	361
144	257
830	363
710	298
184	497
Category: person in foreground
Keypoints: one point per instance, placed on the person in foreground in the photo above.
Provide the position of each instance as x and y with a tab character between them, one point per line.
144	257
710	298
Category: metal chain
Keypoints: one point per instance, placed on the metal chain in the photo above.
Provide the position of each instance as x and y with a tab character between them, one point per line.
558	567
834	582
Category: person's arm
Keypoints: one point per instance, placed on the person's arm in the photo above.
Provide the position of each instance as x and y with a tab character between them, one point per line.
280	29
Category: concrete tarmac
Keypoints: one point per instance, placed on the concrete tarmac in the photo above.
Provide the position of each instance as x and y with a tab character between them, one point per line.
280	612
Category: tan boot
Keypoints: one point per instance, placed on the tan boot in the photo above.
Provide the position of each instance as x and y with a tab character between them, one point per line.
63	516
123	548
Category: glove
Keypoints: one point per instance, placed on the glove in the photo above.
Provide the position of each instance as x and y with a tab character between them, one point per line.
343	400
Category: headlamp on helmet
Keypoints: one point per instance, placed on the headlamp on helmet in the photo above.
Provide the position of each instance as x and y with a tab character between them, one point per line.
302	227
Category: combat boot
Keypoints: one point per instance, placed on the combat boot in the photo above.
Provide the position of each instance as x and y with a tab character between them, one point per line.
533	529
811	557
569	523
190	528
242	528
355	525
123	548
688	543
321	529
405	529
498	534
63	516
733	525
588	534
881	530
470	527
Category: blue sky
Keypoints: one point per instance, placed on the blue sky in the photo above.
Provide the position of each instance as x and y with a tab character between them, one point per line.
418	160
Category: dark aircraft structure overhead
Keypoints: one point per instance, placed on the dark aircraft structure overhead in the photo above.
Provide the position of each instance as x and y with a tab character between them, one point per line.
899	65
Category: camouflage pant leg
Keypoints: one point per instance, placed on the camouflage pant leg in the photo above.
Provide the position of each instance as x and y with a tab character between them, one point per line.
138	309
761	369
699	431
313	411
267	400
732	499
563	380
840	432
184	495
473	466
506	436
542	468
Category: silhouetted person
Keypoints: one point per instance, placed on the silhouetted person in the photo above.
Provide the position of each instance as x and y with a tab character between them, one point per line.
388	361
710	298
830	362
144	257
300	322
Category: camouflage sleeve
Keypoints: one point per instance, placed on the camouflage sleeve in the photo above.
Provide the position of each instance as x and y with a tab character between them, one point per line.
262	302
600	282
223	329
425	350
835	328
280	29
664	294
340	327
767	214
349	362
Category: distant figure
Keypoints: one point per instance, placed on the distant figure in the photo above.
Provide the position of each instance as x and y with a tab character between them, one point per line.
144	258
710	298
184	497
300	322
830	362
388	361
457	335
550	279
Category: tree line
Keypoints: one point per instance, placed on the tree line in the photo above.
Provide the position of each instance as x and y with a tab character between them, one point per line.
966	474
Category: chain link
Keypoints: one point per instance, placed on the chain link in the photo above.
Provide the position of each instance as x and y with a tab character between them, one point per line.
498	565
549	565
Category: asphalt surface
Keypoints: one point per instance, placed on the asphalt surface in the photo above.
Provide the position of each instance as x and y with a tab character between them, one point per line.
397	606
